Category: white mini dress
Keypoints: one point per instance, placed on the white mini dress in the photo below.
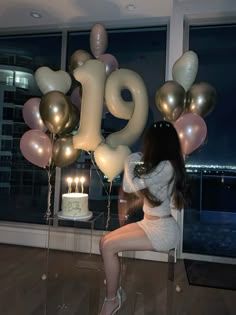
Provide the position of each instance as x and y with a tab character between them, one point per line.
164	234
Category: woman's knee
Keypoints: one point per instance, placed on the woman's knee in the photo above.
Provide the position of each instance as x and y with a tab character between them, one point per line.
102	239
107	246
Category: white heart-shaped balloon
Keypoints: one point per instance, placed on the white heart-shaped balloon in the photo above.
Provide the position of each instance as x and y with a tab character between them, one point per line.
49	80
111	160
185	69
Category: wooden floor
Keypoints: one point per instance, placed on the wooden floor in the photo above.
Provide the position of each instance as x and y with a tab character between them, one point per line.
75	285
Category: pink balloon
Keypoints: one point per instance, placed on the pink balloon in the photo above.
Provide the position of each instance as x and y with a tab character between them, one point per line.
31	114
98	39
110	62
36	147
192	131
76	97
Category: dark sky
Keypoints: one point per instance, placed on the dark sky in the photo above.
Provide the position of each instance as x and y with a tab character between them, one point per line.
216	50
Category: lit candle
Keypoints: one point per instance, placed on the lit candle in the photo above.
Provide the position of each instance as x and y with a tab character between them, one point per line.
82	180
76	180
69	182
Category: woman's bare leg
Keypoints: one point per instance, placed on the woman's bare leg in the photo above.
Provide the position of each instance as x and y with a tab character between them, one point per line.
122	230
129	237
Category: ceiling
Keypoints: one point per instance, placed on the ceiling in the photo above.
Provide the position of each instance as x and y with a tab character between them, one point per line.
16	14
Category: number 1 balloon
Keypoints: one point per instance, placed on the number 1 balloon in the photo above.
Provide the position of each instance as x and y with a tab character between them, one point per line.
92	76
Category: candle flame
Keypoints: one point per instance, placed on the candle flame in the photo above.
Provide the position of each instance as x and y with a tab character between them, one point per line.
69	180
76	180
82	179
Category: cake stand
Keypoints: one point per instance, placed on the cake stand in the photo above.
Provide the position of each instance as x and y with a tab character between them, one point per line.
77	218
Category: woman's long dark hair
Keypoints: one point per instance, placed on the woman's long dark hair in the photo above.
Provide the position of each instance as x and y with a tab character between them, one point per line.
161	143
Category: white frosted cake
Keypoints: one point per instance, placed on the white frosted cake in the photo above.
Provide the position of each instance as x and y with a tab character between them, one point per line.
75	205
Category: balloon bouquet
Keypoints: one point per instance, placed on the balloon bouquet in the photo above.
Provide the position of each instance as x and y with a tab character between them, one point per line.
56	140
185	104
102	82
54	113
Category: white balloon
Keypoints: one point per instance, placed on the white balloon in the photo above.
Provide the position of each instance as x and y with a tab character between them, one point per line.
92	76
111	160
136	111
113	97
49	80
185	69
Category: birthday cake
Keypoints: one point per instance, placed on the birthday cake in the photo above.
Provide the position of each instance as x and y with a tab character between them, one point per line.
75	205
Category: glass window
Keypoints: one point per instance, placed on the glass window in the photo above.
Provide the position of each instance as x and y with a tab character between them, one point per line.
6	145
6	77
19	130
25	199
5	160
18	116
210	220
4	191
4	176
7	129
7	113
216	49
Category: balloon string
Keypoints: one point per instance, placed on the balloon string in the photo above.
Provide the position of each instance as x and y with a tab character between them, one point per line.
99	175
109	206
49	172
48	212
108	193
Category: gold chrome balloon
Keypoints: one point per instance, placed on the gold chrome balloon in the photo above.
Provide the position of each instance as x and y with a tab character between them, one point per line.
73	120
78	58
201	99
63	152
54	111
170	100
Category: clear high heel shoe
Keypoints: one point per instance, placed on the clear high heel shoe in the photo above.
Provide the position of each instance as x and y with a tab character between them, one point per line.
121	296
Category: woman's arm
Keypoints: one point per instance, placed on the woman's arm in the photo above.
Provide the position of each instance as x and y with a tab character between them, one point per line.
130	182
128	204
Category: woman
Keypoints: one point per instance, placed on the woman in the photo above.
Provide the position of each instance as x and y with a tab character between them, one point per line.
157	176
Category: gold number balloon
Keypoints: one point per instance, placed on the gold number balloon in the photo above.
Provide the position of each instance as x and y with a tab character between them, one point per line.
109	156
92	76
137	111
